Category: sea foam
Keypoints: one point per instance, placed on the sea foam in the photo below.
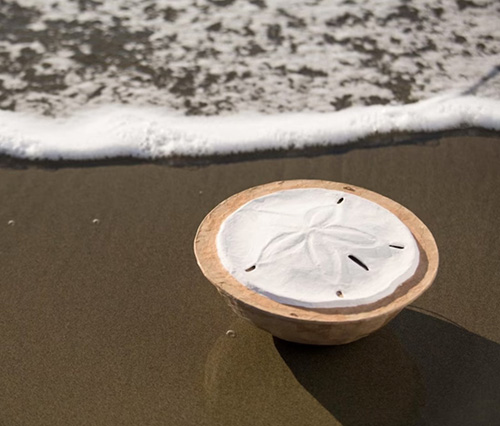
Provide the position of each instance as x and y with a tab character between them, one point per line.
151	133
227	57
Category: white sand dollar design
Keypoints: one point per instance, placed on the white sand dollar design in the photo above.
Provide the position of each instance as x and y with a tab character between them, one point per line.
317	248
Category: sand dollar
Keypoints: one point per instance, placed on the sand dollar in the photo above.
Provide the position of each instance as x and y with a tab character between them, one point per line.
317	247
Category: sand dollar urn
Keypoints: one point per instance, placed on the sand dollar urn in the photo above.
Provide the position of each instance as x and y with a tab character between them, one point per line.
316	262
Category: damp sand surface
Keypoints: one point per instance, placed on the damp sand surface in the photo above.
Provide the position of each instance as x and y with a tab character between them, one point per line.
110	321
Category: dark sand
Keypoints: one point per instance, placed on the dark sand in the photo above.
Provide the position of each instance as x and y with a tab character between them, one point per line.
113	323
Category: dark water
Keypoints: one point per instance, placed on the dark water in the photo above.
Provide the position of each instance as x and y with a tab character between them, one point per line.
215	57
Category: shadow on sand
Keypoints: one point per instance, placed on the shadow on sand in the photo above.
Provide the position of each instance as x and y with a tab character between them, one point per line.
417	370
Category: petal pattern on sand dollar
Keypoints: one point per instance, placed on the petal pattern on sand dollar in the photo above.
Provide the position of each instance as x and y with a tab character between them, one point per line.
350	236
320	216
319	238
281	244
319	247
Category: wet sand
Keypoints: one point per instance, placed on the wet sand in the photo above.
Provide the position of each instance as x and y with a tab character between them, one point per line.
113	323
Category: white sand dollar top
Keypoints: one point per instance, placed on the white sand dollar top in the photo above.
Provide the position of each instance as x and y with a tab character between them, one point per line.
317	248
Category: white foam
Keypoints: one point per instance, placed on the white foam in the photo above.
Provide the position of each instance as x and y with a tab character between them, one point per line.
154	132
317	248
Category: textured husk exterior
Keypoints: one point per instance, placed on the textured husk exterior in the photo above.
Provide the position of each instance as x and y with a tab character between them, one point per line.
305	325
308	332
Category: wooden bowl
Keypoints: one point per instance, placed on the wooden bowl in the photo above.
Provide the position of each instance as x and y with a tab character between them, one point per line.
319	326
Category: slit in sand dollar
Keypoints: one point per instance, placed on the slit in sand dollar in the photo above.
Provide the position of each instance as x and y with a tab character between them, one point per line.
317	248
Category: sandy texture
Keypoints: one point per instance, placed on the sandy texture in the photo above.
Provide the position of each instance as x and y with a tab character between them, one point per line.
112	322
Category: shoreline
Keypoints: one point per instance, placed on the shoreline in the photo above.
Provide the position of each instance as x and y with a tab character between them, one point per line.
371	142
152	133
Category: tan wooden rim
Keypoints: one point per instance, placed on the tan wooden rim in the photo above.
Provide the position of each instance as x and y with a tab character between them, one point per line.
208	260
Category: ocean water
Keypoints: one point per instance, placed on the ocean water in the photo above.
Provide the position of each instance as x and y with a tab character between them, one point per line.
89	79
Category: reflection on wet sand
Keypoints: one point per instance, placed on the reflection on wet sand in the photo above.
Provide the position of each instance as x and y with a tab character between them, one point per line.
418	370
247	383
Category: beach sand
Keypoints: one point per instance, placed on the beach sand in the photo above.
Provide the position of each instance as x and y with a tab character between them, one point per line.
113	323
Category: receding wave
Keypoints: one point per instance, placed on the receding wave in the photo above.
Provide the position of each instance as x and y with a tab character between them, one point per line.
151	133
